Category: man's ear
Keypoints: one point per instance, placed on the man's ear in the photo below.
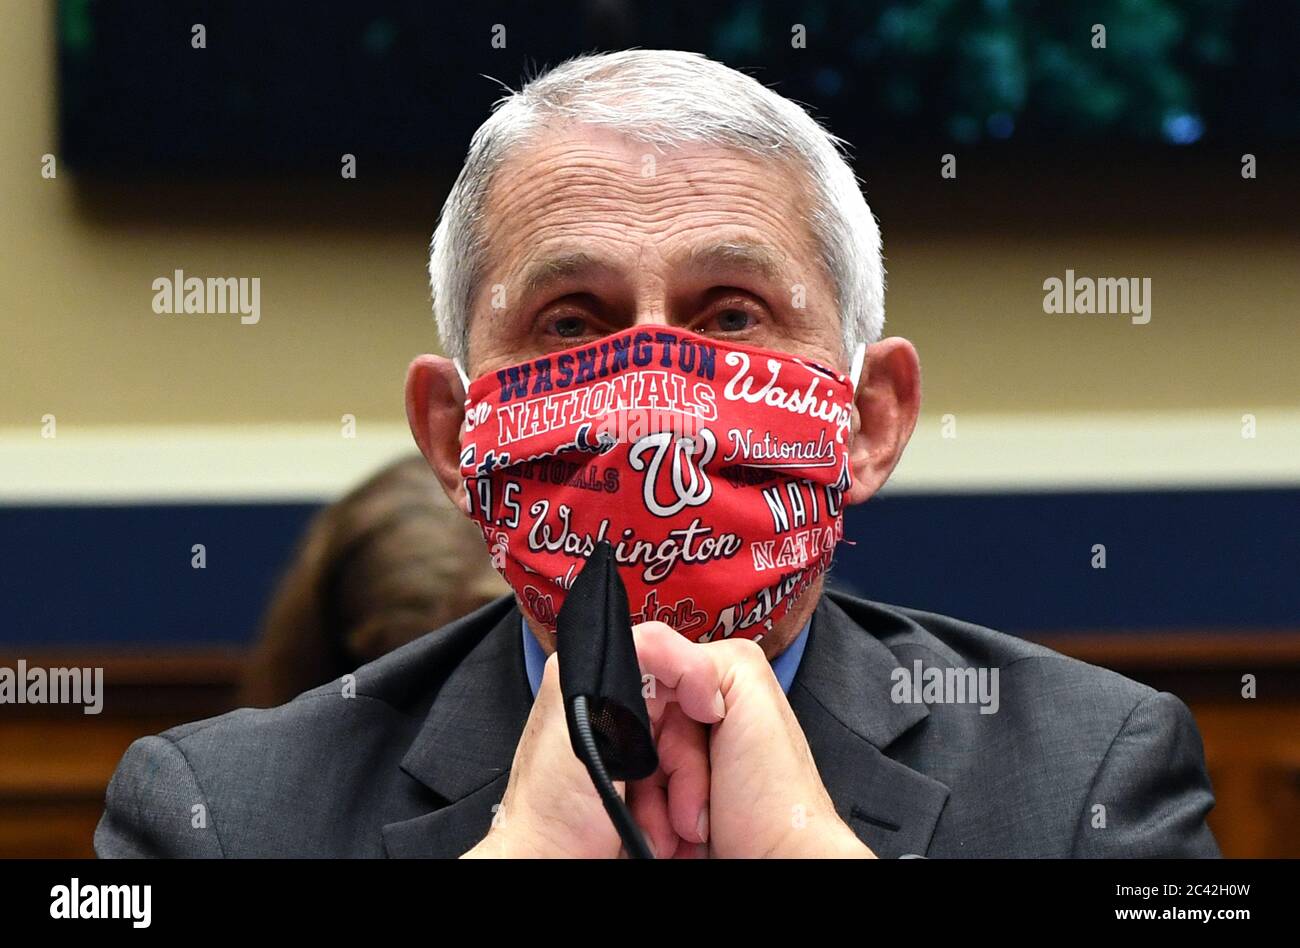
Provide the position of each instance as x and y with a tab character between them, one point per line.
435	408
885	407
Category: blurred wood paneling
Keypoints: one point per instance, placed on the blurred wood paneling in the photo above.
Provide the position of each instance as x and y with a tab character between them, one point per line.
55	761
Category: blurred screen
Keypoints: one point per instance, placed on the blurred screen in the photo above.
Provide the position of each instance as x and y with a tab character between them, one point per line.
278	85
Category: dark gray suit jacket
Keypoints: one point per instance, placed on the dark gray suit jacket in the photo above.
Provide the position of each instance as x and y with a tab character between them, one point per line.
1077	761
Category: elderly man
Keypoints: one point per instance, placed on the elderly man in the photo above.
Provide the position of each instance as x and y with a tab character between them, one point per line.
638	237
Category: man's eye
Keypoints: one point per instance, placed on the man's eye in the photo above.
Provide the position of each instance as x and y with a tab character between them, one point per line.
733	320
569	326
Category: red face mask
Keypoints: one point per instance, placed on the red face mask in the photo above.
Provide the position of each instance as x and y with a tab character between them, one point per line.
716	471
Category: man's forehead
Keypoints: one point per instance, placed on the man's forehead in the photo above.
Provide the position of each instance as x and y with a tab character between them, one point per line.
706	206
564	141
548	268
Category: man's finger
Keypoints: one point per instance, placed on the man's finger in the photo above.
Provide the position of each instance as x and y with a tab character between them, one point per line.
680	667
684	760
738	660
648	804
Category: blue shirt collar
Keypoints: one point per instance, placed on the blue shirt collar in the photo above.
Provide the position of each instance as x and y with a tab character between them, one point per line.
784	665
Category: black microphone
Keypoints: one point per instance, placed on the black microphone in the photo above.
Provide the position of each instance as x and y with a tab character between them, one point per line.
600	682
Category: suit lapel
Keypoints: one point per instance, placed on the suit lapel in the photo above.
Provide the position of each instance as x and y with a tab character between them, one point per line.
465	747
841	696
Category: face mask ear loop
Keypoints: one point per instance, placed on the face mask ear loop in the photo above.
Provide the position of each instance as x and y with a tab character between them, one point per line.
859	360
464	379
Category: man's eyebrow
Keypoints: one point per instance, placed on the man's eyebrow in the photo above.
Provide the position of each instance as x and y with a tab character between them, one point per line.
563	266
737	255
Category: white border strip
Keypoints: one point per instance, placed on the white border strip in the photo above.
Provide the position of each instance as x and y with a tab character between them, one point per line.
316	463
193	464
965	453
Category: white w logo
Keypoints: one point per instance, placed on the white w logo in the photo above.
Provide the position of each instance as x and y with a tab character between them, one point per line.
690	485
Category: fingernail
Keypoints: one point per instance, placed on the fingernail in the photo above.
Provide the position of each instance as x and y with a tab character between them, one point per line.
650	845
719	706
702	825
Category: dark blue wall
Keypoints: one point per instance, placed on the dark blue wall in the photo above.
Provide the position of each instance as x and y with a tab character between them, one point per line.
121	575
1022	562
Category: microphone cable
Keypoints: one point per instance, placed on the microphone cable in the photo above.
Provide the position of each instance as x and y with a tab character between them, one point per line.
628	831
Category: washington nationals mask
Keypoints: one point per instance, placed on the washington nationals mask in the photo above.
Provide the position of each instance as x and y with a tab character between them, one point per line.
716	471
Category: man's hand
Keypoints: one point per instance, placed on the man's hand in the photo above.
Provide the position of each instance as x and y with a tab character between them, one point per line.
766	797
747	786
551	809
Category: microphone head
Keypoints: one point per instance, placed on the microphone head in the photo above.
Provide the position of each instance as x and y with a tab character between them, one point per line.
597	658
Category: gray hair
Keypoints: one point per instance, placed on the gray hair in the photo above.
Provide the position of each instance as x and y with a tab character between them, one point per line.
664	98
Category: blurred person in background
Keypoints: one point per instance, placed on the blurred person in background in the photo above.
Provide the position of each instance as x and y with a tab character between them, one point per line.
387	563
